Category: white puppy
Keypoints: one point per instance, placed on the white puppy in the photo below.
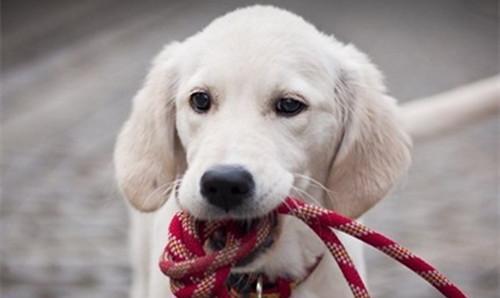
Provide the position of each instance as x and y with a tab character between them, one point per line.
257	106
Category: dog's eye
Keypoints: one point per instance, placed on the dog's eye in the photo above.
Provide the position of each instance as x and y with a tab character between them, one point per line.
200	102
288	107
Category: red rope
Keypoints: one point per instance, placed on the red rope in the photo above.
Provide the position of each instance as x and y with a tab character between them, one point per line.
194	273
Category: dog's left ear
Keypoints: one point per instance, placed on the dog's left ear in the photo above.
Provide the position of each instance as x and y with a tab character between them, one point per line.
148	155
372	150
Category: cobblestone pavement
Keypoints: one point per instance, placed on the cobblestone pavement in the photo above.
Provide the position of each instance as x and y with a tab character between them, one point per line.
69	72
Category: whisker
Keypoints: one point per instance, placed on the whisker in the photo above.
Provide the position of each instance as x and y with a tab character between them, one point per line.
307	195
330	193
163	189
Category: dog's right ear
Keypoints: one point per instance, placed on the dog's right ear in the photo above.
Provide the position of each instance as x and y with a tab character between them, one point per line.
147	146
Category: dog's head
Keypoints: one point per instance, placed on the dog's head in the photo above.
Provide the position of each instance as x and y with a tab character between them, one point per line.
247	111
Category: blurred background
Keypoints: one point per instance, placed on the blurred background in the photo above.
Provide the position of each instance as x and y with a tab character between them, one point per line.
70	69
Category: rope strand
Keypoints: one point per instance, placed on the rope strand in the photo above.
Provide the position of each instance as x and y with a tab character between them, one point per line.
195	273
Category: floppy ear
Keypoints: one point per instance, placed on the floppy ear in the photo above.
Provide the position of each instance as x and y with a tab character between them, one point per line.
147	151
372	150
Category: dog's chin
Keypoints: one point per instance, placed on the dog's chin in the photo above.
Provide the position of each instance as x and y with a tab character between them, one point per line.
245	216
201	210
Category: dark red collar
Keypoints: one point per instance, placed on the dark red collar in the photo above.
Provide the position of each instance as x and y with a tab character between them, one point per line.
245	284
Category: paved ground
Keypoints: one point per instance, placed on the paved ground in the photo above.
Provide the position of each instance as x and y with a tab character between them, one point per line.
71	68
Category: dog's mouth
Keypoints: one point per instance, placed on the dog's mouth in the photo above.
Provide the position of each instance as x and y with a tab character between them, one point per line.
217	240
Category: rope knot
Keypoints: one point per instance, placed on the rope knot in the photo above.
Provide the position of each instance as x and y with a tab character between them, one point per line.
195	269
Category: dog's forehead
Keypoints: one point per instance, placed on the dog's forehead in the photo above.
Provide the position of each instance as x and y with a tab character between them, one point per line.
258	75
268	55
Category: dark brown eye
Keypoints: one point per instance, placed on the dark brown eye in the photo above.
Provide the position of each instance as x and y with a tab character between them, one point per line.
289	107
200	102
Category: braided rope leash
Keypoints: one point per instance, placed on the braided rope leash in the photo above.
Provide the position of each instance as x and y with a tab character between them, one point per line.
194	273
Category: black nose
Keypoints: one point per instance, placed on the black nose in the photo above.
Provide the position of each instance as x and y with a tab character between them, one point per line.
227	186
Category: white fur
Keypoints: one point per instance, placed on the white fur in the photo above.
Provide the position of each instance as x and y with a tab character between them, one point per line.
349	139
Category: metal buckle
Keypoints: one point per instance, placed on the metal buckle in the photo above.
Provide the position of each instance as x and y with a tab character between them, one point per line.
259	286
